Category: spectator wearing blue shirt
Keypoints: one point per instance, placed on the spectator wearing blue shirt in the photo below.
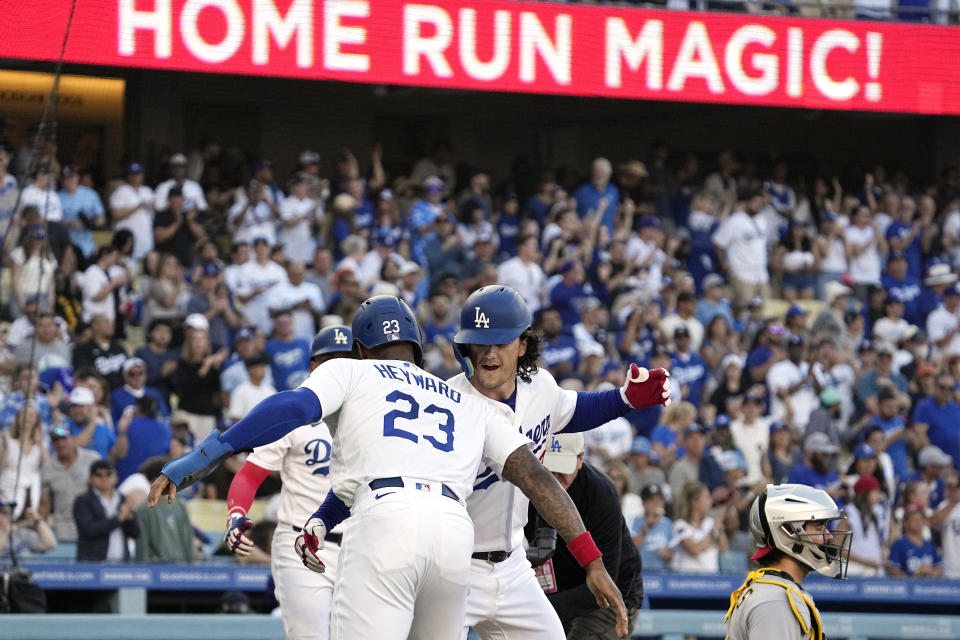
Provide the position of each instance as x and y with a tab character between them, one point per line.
939	277
819	469
902	287
939	416
599	196
559	350
160	359
439	324
653	530
364	215
687	369
882	375
713	303
82	210
88	431
148	436
895	429
905	234
931	464
912	556
134	387
507	222
289	355
423	217
566	295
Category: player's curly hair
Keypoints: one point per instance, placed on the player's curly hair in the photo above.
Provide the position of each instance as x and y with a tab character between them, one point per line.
527	364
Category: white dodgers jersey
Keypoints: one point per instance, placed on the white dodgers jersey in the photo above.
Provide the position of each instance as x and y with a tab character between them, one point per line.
499	509
398	420
303	459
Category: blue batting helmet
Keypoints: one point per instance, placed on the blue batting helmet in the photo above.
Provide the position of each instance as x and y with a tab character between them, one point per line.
385	319
336	338
491	315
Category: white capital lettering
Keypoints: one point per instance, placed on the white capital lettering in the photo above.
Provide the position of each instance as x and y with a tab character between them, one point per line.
478	70
535	41
158	21
336	34
648	46
766	63
481	319
432	48
339	337
268	22
203	50
696	60
830	88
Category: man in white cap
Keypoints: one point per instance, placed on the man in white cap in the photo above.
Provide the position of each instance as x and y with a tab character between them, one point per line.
939	277
932	463
88	431
192	191
134	387
560	576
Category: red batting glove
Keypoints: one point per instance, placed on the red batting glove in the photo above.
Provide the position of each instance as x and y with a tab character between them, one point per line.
309	543
645	388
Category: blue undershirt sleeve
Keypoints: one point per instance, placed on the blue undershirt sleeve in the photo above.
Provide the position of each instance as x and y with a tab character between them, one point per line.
273	418
333	511
595	408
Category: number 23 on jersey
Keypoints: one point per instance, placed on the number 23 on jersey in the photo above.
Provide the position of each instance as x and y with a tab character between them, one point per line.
444	416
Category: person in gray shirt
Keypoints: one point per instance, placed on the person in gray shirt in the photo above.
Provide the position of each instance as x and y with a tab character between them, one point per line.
789	524
64	477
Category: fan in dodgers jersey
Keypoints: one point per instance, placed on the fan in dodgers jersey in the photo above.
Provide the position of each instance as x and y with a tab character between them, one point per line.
406	447
303	459
498	351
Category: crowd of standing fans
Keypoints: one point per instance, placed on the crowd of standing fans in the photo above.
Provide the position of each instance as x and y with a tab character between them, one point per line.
811	326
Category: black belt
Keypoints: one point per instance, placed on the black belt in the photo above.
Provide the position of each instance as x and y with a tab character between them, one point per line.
335	538
383	483
492	557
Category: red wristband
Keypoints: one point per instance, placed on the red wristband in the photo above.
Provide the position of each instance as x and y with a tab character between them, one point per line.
583	549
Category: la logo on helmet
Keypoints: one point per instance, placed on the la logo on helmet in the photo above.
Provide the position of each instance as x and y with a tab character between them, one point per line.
339	337
481	319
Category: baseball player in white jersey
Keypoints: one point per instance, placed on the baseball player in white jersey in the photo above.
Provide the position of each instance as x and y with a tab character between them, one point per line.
303	459
789	526
405	453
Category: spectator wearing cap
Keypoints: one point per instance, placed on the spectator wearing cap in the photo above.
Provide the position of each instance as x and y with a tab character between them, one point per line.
423	216
819	468
902	286
751	435
524	273
234	371
558	351
871	381
897	433
868	519
865	244
507	223
210	297
599	196
105	519
598	502
33	268
938	416
794	257
653	530
729	385
384	248
790	381
299	213
932	465
697	463
943	324
191	191
891	327
795	321
687	368
49	350
254	216
643	469
197	380
63	478
177	228
87	429
911	555
684	316
740	243
254	281
865	464
289	354
131	208
248	393
82	210
102	352
713	303
148	434
135	387
782	455
939	276
827	417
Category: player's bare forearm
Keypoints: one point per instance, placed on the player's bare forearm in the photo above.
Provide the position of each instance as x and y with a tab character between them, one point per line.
549	498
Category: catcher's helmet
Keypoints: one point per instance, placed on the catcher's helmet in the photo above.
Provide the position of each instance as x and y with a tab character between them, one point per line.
491	315
385	319
336	338
777	517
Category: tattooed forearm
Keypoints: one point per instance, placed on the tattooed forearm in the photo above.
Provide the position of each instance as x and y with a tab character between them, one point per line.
546	494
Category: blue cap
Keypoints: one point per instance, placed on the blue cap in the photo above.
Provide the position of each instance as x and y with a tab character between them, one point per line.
333	339
608	366
864	450
386	237
640	445
243	333
134	167
211	269
63	375
696	427
796	311
722	420
649	221
567	266
777	425
953	290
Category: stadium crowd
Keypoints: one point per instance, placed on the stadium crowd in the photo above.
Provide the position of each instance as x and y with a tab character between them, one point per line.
811	328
